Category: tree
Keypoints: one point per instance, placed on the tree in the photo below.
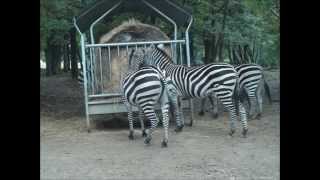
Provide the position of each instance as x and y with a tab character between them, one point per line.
55	23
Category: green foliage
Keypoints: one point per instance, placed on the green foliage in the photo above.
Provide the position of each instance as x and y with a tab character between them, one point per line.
240	21
246	22
56	20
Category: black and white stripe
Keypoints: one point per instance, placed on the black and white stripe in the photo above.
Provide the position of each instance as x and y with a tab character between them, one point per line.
145	88
219	79
251	81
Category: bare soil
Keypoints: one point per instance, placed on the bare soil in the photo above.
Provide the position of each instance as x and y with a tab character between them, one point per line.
203	151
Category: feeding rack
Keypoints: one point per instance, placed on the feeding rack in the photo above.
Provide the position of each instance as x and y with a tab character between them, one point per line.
97	99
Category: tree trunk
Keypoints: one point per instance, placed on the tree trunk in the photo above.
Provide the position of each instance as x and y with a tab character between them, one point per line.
230	55
221	38
66	58
48	61
214	47
56	59
221	48
74	65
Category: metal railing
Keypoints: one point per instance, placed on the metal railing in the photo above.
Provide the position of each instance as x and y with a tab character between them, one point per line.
110	60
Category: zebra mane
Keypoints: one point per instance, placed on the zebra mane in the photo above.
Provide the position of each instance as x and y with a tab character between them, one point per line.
163	52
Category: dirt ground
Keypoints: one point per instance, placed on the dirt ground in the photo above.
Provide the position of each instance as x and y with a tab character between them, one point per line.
203	151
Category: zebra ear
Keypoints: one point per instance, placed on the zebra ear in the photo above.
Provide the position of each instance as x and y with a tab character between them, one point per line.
152	46
160	46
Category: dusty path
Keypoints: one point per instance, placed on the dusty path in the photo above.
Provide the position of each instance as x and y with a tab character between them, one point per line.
203	151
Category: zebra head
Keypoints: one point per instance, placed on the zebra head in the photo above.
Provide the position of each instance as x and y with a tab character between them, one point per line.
136	59
149	57
156	56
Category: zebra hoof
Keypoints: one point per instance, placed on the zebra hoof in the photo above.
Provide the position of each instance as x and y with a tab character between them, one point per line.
178	129
147	141
144	134
164	144
232	131
190	124
244	133
258	116
215	115
201	113
131	136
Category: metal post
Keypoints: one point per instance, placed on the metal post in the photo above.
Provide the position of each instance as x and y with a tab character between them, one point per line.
101	17
83	54
170	20
189	64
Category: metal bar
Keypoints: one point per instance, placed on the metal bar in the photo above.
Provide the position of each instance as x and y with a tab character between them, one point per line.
105	95
99	19
103	102
93	80
101	77
127	50
134	43
83	54
109	60
136	47
118	50
174	60
166	17
187	42
181	58
188	63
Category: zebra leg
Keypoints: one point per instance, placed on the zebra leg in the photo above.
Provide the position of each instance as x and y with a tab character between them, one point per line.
178	115
251	109
151	115
243	117
141	117
230	106
214	102
165	123
259	102
203	101
130	118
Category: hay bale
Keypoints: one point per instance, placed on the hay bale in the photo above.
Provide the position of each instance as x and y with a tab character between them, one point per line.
129	31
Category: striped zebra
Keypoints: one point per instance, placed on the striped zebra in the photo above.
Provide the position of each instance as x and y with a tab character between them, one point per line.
252	81
171	89
220	79
144	87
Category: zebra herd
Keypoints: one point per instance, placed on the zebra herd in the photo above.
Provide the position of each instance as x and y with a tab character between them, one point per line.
153	78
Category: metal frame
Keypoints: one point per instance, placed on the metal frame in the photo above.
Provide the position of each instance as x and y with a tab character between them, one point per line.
109	106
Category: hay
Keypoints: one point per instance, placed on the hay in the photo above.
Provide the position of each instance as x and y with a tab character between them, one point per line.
129	31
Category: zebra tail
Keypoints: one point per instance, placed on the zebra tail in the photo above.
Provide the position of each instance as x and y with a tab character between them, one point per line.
267	90
236	96
244	95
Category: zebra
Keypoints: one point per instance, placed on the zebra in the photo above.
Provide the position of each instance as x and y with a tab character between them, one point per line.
174	101
252	79
220	79
145	87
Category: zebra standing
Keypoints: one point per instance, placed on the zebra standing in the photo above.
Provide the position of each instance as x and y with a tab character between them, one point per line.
145	87
220	79
171	90
251	79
